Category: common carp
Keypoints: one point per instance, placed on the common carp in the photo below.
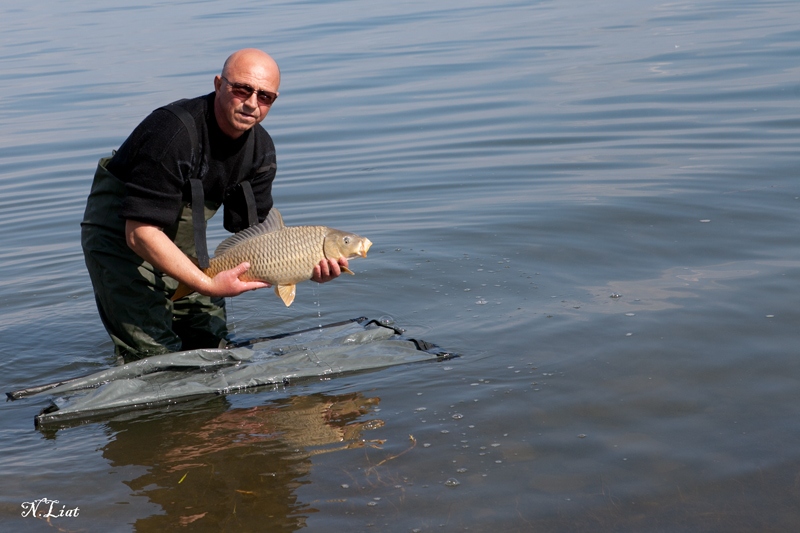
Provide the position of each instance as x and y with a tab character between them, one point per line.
282	255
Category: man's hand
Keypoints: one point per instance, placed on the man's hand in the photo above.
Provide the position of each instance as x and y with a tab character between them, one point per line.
328	269
227	283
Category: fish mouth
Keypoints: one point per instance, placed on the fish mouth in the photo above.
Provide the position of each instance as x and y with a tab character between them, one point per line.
364	248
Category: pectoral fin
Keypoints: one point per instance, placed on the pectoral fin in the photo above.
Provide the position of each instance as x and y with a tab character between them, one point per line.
345	269
285	293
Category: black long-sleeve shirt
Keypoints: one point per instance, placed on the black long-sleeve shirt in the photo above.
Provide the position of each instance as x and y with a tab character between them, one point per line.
155	165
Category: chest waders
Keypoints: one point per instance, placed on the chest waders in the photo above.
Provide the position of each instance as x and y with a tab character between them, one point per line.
133	296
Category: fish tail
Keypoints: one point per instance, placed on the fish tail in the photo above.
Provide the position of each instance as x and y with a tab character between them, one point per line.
182	290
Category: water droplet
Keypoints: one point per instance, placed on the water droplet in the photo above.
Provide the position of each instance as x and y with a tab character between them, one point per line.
615	295
461	470
452	482
582	436
458	416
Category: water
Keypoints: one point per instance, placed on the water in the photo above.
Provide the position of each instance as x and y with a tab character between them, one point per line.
595	203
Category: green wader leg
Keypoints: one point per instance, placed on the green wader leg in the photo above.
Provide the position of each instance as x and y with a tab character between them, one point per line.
133	297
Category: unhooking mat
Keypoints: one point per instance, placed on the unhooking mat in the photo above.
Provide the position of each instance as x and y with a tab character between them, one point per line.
357	344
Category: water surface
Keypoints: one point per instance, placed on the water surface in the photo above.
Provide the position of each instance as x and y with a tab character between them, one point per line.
595	204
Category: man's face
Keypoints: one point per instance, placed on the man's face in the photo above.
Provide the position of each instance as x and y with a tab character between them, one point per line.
235	112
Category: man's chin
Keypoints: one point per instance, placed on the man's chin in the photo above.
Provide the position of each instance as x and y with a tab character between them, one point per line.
245	122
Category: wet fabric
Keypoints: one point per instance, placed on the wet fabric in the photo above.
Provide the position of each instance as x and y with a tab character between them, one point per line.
355	345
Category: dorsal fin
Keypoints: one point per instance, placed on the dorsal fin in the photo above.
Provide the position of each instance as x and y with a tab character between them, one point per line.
273	222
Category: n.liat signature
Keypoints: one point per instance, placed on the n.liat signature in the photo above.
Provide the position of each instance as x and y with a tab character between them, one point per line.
45	508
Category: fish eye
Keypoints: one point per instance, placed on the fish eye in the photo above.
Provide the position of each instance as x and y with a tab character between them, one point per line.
347	240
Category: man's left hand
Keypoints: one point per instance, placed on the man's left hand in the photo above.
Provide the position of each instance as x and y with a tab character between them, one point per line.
328	269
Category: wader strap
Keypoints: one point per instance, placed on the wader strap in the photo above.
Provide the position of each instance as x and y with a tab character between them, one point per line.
250	200
191	128
244	179
199	224
198	198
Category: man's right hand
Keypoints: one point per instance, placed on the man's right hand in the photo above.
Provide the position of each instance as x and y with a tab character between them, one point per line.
227	282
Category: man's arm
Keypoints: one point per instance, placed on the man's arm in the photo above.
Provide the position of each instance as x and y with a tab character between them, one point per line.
152	245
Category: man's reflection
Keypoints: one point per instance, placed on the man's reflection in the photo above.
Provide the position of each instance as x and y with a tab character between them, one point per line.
218	468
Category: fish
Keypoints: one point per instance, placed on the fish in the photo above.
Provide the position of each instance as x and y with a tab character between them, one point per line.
281	255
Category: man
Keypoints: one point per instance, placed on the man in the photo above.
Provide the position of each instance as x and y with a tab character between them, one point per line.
144	226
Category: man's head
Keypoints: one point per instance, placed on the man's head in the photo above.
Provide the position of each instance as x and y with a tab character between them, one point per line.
245	71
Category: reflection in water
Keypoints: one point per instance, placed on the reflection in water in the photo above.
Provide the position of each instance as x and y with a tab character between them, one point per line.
219	468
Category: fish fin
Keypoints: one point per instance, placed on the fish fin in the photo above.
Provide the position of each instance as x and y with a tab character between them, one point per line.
286	293
273	222
345	269
182	290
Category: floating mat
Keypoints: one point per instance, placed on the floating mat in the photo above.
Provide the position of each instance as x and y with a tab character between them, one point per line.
357	344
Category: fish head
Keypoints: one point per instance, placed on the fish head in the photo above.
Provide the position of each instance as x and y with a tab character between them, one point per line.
344	244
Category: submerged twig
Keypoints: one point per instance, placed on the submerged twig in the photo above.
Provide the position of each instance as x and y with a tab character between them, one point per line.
371	469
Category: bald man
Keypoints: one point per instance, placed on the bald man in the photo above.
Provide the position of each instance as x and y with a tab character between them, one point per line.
144	226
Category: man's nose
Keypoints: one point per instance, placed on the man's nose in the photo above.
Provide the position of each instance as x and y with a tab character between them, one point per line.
252	100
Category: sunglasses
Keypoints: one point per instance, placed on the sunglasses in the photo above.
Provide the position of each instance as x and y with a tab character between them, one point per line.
244	92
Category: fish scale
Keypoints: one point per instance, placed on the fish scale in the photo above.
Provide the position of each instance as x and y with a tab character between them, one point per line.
282	256
279	258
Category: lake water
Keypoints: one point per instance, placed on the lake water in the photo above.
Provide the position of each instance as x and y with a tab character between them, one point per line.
595	203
